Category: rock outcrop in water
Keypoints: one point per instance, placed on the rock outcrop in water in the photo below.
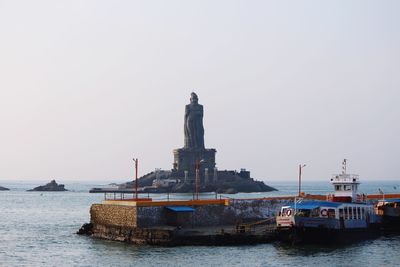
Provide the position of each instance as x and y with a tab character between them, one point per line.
225	182
3	188
52	186
86	229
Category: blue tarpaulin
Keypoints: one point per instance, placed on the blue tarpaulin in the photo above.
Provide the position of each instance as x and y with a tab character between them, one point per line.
179	208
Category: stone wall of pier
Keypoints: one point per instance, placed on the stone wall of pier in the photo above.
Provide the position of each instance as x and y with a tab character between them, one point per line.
116	215
151	216
136	235
150	225
238	211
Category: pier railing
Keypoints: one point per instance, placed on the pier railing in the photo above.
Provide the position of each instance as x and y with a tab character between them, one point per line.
130	196
265	226
126	196
345	178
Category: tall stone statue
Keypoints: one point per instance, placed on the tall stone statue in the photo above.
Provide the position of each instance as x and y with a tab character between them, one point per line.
194	150
194	130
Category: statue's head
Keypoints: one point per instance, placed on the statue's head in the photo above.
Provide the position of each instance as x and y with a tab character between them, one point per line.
193	98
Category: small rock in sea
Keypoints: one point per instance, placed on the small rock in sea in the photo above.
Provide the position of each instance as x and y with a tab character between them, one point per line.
3	188
86	229
52	186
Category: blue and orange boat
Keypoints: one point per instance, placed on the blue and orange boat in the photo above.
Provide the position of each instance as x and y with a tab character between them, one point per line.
344	217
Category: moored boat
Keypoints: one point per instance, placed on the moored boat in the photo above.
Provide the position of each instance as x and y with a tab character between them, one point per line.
389	209
344	217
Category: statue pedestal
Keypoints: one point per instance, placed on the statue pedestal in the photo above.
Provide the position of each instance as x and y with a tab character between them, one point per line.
185	160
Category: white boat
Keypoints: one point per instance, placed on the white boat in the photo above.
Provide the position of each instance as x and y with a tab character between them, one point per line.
344	217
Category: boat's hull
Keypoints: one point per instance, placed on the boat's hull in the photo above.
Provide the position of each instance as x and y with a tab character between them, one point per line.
391	224
304	235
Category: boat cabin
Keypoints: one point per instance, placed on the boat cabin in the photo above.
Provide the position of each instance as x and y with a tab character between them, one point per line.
345	187
326	213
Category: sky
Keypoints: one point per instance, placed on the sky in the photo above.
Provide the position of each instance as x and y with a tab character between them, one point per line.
85	86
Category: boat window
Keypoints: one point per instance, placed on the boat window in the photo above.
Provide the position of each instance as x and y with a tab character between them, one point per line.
363	213
350	213
331	213
338	187
341	215
283	211
359	213
347	188
303	213
315	213
346	213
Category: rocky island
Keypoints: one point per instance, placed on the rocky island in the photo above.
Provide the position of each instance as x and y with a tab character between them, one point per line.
195	160
3	188
52	186
224	182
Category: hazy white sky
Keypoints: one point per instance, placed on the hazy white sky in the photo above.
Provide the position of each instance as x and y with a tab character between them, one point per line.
87	85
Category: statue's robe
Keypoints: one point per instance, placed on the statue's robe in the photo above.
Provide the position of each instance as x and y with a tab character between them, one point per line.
194	130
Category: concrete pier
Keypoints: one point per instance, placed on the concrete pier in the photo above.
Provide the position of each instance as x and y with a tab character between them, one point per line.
191	222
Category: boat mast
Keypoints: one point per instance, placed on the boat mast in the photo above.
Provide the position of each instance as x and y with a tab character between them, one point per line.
344	166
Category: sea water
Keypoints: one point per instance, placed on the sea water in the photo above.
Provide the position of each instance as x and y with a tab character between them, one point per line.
38	229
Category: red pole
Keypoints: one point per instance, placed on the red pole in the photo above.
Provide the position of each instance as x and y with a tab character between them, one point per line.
197	179
136	181
299	179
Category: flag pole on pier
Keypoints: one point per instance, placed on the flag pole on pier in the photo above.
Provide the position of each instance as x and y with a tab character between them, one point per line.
198	162
301	166
136	161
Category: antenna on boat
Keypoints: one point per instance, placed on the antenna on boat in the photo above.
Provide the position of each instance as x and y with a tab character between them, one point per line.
344	167
382	193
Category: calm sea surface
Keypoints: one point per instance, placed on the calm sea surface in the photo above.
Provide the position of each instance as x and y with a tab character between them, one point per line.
38	229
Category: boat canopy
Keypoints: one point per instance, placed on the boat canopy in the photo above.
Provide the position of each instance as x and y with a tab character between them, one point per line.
309	205
391	200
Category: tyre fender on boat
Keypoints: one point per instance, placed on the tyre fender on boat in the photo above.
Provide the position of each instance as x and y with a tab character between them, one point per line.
324	213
